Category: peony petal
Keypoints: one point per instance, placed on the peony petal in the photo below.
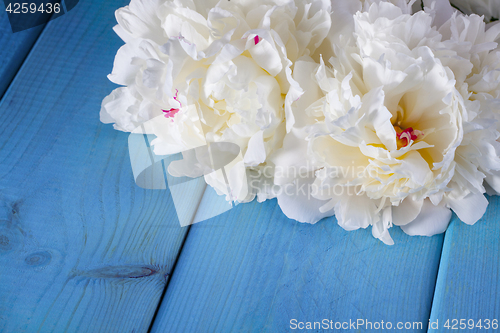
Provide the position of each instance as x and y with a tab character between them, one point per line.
124	71
441	10
493	180
469	209
302	73
432	220
380	229
380	117
256	152
296	202
289	160
407	211
120	107
415	168
355	211
294	93
265	54
342	18
153	75
133	24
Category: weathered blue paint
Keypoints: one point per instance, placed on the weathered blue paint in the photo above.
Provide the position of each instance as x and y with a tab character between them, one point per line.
14	48
82	248
253	270
468	284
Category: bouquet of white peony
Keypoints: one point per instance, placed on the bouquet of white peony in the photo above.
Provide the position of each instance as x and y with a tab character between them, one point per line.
379	112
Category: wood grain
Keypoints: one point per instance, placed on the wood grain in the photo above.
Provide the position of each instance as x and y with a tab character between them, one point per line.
14	48
253	270
468	281
82	248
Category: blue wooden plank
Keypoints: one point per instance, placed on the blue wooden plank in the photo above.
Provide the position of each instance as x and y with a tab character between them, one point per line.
468	280
82	248
14	47
253	270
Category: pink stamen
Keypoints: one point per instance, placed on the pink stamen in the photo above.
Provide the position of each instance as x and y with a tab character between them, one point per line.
173	111
256	39
170	113
175	97
407	135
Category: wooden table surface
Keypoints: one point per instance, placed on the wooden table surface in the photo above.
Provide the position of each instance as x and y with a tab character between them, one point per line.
83	249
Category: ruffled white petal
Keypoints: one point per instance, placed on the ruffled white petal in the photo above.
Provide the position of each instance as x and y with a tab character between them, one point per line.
289	161
356	211
256	151
296	202
440	10
432	220
406	211
380	229
470	208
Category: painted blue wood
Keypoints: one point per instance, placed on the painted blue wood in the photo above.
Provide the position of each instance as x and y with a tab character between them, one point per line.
14	47
468	286
82	248
253	270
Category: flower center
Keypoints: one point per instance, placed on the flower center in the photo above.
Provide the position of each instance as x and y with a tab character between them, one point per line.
404	137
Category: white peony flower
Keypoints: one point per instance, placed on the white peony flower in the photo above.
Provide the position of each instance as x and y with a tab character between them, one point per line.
390	135
478	80
489	8
382	112
218	71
